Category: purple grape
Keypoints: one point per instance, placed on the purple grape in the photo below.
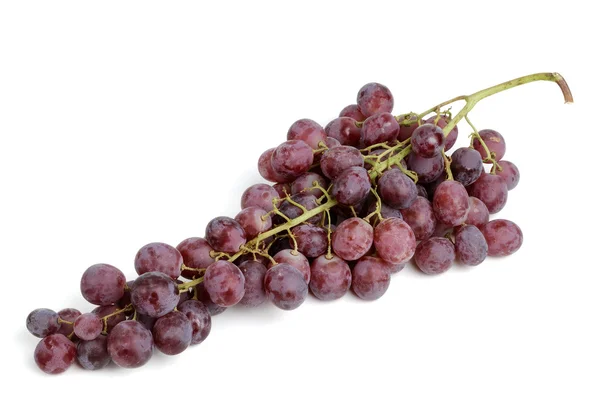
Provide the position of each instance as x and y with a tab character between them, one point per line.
503	237
93	354
196	254
42	322
370	280
344	130
154	294
304	183
353	112
224	283
379	128
296	260
102	284
394	241
254	283
307	130
203	296
491	190
427	169
69	315
265	168
352	239
330	278
442	122
88	326
466	166
478	213
292	158
198	315
259	195
312	240
471	247
254	221
451	203
334	161
172	333
225	234
434	255
406	131
397	189
130	344
419	216
54	354
285	286
159	257
292	211
389	267
495	143
428	140
111	321
352	186
510	173
374	98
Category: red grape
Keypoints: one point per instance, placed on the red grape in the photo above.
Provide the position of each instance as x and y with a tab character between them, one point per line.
304	183
312	240
88	326
159	257
503	237
353	112
434	255
196	254
352	239
451	203
466	166
254	221
55	353
427	169
406	131
130	344
478	213
419	216
42	322
307	130
292	158
379	128
397	189
102	284
491	190
172	333
93	354
394	241
69	315
259	195
510	173
344	130
154	294
198	315
374	98
334	161
370	280
471	247
352	186
113	320
296	259
224	283
285	286
442	122
254	283
495	143
225	234
330	278
265	168
427	140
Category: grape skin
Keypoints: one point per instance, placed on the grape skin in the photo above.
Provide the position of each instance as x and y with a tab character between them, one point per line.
385	211
442	123
397	189
265	168
491	190
353	112
130	344
224	283
451	203
352	239
370	280
254	285
389	267
200	319
113	320
434	255
54	354
254	221
406	131
395	241
352	186
42	322
259	195
285	286
330	278
88	326
225	234
312	240
172	333
495	143
503	237
419	216
203	296
379	128
102	284
93	354
292	158
304	183
307	130
427	140
510	173
296	259
428	169
196	254
478	213
154	294
159	257
466	166
335	160
69	315
344	130
471	247
374	98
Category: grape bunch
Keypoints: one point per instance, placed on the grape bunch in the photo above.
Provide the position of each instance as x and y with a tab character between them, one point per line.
349	204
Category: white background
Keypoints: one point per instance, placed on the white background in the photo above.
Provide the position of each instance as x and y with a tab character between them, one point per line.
125	122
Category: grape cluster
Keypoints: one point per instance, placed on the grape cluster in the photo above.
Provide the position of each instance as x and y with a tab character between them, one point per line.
351	203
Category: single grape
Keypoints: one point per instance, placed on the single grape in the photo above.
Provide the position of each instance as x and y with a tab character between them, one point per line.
172	333
254	283
42	322
305	183
352	239
282	188
259	195
466	166
428	140
419	216
196	254
510	173
434	255
54	354
471	247
370	279
334	161
203	296
102	284
451	203
495	143
478	213
69	315
292	211
93	354
442	122
254	221
88	326
285	286
379	128
352	186
397	189
154	294
296	259
394	241
307	130
374	98
224	283
159	257
491	190
312	240
265	168
330	142
353	112
389	267
198	315
330	278
503	237
112	320
344	130
406	130
292	158
130	344
224	234
427	169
